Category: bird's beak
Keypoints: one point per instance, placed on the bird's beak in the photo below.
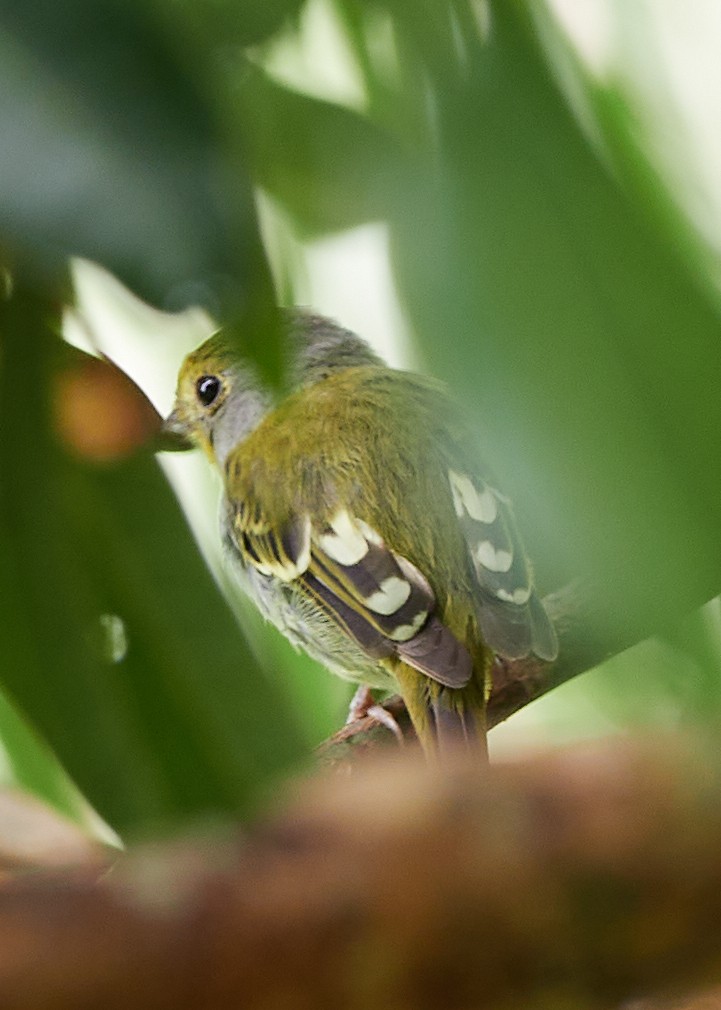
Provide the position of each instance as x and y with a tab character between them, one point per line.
173	436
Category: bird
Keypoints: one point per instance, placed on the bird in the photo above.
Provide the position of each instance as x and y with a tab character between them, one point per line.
357	515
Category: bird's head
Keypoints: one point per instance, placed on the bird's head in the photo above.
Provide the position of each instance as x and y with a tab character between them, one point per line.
220	398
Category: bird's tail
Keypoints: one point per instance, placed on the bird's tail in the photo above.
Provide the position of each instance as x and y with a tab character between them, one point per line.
447	720
459	723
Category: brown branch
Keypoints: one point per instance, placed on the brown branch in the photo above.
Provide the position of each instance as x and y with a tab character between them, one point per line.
583	880
572	610
515	682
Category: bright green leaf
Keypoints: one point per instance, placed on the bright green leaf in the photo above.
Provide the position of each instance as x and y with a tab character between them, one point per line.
577	333
329	166
115	641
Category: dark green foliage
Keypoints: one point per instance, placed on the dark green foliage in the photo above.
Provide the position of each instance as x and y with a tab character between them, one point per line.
562	302
187	723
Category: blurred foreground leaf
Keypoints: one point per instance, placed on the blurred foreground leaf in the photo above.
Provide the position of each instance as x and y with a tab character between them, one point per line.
168	718
575	331
113	150
227	23
544	290
108	148
560	298
335	168
32	765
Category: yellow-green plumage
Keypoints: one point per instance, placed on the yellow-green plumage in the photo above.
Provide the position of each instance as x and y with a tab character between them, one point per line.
358	521
307	457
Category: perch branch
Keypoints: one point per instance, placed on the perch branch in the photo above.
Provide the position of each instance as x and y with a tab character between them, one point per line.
586	879
515	682
520	681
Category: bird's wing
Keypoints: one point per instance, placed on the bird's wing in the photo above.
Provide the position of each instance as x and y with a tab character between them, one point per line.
354	570
381	600
512	618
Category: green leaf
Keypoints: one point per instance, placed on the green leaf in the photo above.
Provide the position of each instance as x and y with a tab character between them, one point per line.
228	24
329	166
111	152
32	765
175	719
575	331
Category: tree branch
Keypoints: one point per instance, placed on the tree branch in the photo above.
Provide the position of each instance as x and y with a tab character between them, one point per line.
572	610
515	682
585	879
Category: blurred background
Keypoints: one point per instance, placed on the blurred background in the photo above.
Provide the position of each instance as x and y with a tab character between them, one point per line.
521	198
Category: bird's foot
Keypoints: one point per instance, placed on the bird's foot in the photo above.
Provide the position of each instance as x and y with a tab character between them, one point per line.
364	704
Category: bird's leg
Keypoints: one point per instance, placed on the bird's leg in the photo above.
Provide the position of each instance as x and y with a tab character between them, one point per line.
364	704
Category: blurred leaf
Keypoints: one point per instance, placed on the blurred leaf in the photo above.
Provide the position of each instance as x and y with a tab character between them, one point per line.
320	699
329	166
696	640
547	295
32	764
227	23
112	151
108	148
651	686
587	350
126	329
623	126
170	718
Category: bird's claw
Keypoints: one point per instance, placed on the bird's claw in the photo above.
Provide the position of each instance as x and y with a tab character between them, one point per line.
364	704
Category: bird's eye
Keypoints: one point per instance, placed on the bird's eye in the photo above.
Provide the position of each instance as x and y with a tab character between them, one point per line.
207	388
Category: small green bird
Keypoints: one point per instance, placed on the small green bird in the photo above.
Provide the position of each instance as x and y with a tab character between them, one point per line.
357	519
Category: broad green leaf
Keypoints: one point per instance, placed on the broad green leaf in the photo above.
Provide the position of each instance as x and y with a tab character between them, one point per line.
149	345
32	766
170	718
114	150
108	148
541	288
328	165
573	328
227	24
